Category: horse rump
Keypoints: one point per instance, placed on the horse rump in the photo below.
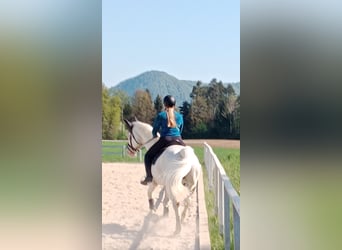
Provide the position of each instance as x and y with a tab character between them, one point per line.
185	178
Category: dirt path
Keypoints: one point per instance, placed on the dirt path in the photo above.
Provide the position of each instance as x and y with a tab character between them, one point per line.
127	222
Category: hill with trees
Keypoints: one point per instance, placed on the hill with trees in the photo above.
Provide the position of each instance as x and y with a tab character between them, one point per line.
212	112
161	83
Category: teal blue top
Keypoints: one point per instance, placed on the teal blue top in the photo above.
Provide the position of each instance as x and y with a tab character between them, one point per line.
160	125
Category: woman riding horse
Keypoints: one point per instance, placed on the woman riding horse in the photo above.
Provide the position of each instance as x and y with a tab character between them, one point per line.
177	168
169	124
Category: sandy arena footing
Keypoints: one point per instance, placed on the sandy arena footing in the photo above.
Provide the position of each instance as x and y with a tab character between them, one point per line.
127	222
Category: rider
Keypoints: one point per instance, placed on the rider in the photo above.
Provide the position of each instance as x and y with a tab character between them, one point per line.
170	125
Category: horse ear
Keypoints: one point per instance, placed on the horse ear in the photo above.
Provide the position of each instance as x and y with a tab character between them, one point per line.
136	119
129	125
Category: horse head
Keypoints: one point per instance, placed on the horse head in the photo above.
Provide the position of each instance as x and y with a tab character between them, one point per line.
140	135
133	146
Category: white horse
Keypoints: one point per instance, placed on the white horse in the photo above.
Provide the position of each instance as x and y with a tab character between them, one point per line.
177	169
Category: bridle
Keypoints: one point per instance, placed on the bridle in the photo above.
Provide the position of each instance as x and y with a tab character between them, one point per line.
130	147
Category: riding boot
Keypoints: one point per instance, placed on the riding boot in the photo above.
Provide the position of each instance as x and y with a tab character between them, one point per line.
149	177
147	180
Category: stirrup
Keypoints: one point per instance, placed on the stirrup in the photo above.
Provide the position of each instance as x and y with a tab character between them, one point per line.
147	180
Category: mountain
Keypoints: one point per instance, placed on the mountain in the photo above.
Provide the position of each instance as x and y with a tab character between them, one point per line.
158	82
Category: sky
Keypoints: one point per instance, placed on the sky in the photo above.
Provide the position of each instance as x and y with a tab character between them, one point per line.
190	40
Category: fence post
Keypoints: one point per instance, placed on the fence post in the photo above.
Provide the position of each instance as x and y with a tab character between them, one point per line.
220	207
216	188
209	165
227	201
236	229
226	220
212	173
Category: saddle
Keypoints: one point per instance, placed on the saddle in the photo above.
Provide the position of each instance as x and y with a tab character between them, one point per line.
171	143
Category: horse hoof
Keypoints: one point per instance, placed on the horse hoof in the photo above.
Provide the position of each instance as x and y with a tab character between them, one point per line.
177	232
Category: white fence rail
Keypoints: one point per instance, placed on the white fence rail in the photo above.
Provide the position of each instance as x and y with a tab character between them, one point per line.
225	198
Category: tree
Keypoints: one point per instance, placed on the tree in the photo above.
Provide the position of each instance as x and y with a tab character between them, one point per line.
105	113
128	111
224	117
216	93
200	115
115	116
158	104
230	107
214	111
197	90
125	111
185	111
230	90
111	115
112	108
236	114
142	106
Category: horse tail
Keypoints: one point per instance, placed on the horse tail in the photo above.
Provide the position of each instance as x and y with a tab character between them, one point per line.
184	180
191	179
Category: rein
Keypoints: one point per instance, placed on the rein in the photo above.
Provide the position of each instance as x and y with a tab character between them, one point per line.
140	145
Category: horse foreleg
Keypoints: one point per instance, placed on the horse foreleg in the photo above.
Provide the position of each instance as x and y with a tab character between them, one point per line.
166	205
151	188
178	223
186	207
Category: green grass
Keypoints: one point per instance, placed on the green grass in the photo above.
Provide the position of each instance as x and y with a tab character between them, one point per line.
230	160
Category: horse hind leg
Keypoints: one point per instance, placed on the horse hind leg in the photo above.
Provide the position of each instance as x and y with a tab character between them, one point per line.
178	223
150	190
166	205
186	207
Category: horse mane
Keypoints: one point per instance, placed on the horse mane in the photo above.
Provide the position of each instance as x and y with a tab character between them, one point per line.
143	125
144	128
